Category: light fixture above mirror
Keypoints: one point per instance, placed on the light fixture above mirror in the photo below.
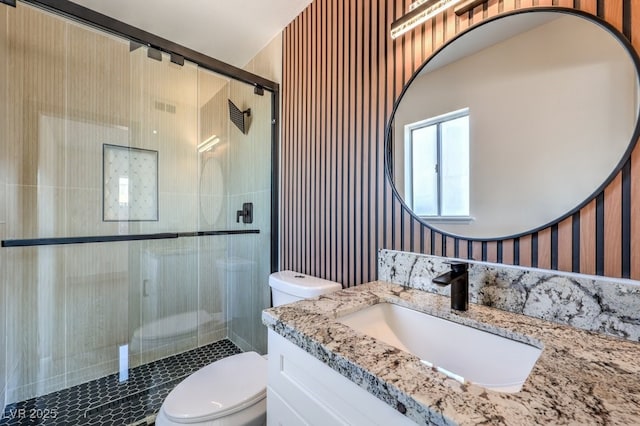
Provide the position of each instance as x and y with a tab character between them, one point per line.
420	11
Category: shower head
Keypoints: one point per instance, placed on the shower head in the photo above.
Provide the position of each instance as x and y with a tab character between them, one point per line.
237	117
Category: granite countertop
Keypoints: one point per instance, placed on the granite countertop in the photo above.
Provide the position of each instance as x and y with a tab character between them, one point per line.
581	377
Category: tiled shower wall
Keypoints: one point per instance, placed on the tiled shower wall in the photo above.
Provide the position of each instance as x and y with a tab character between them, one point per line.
71	90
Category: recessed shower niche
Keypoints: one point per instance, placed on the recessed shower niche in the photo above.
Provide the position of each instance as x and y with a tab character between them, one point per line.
130	183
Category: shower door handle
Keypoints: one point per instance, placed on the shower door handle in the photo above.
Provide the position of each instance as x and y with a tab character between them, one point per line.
246	213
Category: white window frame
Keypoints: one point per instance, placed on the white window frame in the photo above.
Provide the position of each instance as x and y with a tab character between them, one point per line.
408	161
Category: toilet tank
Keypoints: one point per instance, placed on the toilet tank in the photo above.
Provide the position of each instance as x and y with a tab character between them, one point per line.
290	286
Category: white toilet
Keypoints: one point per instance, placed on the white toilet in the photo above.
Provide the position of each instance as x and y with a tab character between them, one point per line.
233	390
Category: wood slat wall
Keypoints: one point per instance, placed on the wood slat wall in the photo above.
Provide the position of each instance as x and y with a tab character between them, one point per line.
341	76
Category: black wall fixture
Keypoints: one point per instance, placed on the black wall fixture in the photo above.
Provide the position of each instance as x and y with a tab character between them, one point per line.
134	45
9	2
177	59
246	213
237	116
154	54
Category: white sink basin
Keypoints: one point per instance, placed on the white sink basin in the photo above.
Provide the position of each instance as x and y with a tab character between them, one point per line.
463	353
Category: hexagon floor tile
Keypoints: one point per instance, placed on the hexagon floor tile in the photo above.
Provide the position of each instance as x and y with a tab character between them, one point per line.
106	401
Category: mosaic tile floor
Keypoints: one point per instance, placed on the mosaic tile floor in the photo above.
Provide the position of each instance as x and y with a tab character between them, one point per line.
105	401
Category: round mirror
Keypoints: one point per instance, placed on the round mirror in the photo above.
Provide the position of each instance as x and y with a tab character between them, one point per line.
514	124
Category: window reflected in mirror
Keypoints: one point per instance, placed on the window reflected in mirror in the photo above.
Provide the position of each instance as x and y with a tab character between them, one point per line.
437	149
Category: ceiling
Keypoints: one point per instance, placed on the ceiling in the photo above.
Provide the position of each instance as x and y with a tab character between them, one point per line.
232	31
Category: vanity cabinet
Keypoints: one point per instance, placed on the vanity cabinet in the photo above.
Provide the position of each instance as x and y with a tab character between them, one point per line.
302	390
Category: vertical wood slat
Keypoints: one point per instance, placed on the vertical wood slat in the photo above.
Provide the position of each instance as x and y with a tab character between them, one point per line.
296	153
588	238
613	228
353	145
613	13
381	105
525	250
322	120
315	129
438	245
342	73
493	8
331	138
590	6
386	64
476	250
566	3
337	207
286	189
371	72
450	24
450	243
309	215
303	161
507	252
390	208
508	5
544	248
565	245
359	159
635	167
492	251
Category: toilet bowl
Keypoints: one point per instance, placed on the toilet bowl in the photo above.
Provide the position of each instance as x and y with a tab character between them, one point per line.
232	391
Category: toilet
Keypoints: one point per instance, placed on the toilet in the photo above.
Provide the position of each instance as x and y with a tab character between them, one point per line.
233	390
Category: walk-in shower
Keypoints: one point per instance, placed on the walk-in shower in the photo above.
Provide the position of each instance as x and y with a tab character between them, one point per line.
120	179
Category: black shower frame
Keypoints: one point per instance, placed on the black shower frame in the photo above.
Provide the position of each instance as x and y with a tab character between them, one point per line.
103	22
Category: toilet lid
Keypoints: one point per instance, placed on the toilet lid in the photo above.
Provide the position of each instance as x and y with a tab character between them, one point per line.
219	389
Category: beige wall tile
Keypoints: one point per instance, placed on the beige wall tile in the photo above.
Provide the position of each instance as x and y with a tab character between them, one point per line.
212	288
98	65
35	211
36	337
214	121
36	42
83	214
268	62
178	213
97	308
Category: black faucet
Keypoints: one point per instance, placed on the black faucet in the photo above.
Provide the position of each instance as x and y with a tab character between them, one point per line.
458	277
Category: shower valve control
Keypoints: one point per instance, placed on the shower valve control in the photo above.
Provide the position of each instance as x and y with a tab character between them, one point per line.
246	213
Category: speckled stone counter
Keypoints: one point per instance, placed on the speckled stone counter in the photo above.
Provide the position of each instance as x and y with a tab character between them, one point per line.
580	378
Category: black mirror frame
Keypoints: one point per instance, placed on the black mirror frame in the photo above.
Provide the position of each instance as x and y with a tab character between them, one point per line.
388	155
